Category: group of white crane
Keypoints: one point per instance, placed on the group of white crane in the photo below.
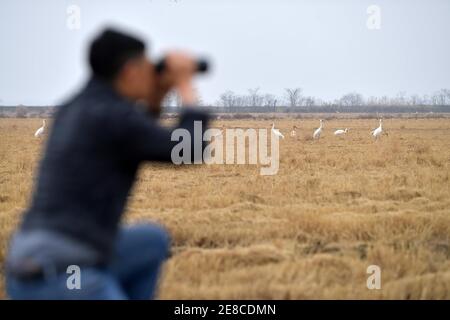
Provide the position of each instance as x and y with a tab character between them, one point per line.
376	133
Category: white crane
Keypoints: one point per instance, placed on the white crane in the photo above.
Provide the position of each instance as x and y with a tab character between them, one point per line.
39	132
277	132
340	132
318	131
378	131
294	131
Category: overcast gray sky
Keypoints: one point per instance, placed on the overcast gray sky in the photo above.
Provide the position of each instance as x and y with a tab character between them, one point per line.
322	46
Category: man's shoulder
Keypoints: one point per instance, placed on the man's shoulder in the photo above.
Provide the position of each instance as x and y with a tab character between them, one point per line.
94	103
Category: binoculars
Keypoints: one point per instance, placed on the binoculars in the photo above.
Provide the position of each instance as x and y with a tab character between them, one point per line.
202	66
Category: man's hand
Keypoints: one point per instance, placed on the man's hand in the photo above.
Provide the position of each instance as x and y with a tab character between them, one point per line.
178	73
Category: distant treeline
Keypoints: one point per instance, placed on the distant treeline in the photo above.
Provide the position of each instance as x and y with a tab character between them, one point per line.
323	109
47	112
27	112
295	98
292	101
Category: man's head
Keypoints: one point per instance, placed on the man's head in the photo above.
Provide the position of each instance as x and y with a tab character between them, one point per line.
120	60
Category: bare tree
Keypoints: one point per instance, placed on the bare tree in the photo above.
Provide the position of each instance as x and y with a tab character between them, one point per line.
309	101
426	100
400	99
415	100
242	100
21	111
352	99
435	98
227	99
372	101
254	98
269	100
293	96
442	97
447	95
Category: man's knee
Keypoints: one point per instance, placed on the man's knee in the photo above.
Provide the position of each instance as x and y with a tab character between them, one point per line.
154	239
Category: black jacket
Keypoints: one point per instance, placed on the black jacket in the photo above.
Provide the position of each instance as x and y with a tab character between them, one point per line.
97	141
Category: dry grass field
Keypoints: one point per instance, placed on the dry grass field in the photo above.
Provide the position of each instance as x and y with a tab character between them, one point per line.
335	207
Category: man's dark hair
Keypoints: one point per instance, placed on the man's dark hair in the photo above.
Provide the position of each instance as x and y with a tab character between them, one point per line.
110	51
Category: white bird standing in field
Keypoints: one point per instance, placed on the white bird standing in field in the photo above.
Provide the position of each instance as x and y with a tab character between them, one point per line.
318	131
340	132
378	131
39	132
294	131
277	132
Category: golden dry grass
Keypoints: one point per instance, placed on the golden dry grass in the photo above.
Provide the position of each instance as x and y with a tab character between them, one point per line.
335	207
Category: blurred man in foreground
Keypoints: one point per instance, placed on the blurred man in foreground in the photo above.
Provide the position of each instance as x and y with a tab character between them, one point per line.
97	142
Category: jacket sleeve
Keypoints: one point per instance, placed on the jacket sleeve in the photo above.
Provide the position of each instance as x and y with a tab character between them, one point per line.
141	137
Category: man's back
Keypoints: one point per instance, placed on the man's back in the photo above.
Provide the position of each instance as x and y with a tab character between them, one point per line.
83	179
